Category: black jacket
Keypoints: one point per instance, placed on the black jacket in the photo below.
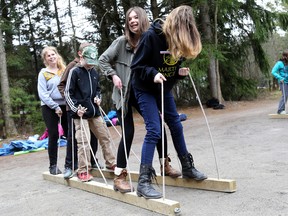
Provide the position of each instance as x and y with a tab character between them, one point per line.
81	88
152	56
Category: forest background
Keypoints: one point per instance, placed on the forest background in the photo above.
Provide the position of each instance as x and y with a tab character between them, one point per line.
241	42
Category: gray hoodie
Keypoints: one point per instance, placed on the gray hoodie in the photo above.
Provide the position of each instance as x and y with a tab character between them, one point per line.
47	89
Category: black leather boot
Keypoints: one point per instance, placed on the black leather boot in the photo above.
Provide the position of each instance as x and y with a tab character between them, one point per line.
144	187
189	170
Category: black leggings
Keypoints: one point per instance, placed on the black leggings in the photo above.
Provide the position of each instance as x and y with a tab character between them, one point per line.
51	120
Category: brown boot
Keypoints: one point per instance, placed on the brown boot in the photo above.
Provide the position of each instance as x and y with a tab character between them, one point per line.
168	169
120	183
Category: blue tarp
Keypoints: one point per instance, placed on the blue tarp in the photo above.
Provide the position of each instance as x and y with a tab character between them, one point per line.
26	146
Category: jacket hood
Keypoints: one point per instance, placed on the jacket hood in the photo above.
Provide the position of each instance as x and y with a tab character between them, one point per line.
157	26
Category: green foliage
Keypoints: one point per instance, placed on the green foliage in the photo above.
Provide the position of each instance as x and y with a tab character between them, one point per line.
237	88
26	109
283	20
19	60
242	26
198	68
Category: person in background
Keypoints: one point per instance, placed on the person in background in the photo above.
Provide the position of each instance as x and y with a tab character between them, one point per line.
280	72
52	102
68	173
156	63
83	96
115	64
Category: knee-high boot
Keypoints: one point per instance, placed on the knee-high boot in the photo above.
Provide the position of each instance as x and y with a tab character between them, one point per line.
144	187
189	170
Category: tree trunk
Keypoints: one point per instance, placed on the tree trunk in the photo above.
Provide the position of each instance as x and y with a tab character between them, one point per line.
154	9
10	128
213	76
32	38
75	49
59	32
218	78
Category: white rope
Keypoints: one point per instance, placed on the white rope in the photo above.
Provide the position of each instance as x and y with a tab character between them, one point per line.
86	134
110	136
124	140
73	145
82	138
211	138
117	131
162	128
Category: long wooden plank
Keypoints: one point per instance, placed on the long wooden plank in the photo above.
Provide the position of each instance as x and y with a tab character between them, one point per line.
212	184
162	206
278	116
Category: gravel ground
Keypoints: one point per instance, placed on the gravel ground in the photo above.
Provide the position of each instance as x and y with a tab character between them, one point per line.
250	147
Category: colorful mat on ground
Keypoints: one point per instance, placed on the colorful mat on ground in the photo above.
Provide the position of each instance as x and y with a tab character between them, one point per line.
18	147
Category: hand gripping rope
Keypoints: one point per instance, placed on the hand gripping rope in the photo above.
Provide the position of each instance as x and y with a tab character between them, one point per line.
211	138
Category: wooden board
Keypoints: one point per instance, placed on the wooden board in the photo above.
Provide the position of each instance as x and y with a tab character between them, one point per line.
162	206
212	184
278	116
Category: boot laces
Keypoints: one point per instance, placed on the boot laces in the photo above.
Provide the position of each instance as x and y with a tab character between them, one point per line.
191	159
153	175
123	173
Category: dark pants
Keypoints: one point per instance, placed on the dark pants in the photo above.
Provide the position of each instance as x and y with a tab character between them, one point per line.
68	159
51	120
129	133
150	106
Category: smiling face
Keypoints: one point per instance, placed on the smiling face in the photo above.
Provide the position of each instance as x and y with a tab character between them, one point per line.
51	57
133	21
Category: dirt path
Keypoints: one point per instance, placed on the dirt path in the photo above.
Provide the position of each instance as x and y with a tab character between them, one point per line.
250	148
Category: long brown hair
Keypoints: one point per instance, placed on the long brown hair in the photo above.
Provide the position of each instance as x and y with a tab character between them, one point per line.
60	63
143	25
284	57
182	34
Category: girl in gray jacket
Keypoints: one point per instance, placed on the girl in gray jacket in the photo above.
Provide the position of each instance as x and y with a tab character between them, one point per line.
115	64
52	102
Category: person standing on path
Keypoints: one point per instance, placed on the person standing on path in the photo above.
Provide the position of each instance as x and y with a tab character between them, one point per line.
83	95
115	64
52	102
156	64
280	72
68	173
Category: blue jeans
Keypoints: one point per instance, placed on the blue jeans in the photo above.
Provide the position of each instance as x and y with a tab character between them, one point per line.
129	133
282	102
150	106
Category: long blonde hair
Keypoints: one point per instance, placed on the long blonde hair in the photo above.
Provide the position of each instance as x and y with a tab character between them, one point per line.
143	25
182	34
60	62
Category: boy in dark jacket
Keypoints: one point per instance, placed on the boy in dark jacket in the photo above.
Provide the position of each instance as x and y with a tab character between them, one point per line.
82	93
72	149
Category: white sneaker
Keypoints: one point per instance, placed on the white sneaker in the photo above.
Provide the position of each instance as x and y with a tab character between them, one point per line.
283	112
